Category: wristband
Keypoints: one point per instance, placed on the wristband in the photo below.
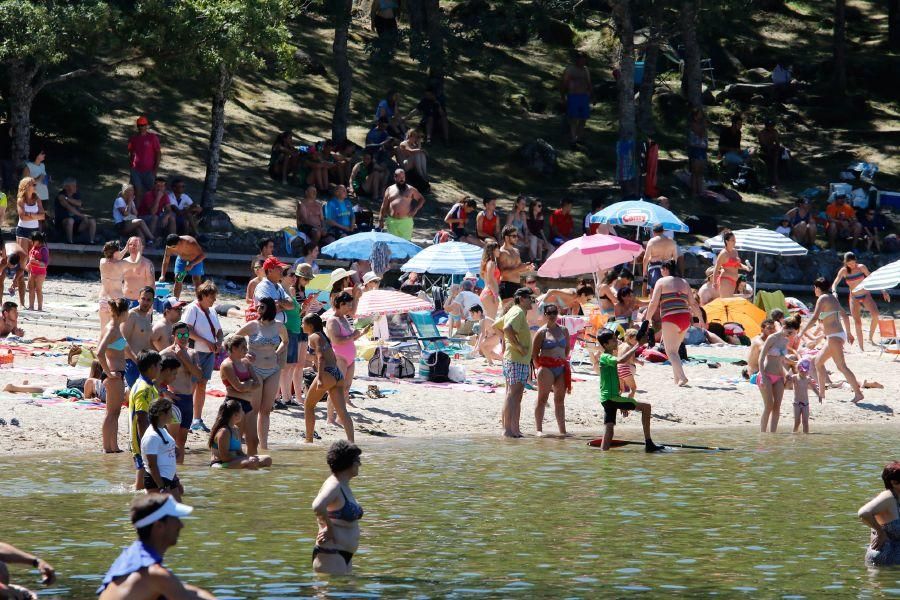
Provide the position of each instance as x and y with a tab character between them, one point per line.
35	562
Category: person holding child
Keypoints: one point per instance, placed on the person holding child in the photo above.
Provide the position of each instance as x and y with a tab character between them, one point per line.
627	359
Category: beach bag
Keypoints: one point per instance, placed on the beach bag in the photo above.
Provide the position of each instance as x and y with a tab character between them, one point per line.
383	364
457	374
438	366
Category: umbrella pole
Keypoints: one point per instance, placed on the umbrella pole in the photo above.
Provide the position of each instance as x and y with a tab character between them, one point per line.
755	261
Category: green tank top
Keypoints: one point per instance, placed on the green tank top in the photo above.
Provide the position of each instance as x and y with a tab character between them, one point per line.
292	318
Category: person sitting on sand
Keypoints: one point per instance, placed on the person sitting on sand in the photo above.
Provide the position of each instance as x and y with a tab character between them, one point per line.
9	554
225	439
189	257
882	514
800	382
610	395
487	340
9	322
138	571
160	452
550	357
337	512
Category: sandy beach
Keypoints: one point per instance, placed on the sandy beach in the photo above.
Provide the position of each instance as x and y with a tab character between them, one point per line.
716	397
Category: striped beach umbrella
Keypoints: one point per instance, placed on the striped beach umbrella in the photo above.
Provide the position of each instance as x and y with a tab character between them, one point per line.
389	302
884	278
760	241
449	258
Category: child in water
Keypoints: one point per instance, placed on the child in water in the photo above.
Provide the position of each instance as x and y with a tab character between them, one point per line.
610	398
627	360
801	383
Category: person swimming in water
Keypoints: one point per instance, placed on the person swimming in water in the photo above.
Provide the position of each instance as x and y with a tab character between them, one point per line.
337	512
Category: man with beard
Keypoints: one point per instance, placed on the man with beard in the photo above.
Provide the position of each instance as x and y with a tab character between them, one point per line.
137	331
401	203
182	388
511	266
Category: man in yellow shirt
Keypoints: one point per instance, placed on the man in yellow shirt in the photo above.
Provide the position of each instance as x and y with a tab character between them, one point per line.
143	394
516	358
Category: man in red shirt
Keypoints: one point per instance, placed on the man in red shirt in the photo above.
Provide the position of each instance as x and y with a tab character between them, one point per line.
144	153
561	223
842	221
156	211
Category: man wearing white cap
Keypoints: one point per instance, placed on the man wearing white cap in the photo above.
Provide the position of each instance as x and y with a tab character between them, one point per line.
371	281
138	572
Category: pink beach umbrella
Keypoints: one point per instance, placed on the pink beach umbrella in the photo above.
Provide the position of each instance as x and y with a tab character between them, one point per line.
389	302
589	254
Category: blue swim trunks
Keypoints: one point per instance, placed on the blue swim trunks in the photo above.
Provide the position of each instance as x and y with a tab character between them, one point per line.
578	106
196	270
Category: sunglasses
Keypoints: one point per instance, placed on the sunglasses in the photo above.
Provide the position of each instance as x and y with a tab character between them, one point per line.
183	336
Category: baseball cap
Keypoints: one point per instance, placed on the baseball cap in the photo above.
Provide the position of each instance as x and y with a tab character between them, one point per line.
304	271
370	277
173	302
273	263
142	121
170	508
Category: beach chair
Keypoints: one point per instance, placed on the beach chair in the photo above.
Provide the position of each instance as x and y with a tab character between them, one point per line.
769	300
429	336
889	342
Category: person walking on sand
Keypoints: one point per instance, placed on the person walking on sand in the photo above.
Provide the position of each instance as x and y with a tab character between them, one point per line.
882	515
137	273
138	572
674	299
189	257
772	369
182	387
112	280
550	356
111	356
337	512
828	310
516	358
853	273
225	438
800	382
610	395
9	554
328	378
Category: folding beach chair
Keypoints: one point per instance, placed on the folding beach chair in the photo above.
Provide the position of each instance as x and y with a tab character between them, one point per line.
889	342
430	337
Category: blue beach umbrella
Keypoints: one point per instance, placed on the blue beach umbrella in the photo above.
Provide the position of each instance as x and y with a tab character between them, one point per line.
449	258
359	246
639	213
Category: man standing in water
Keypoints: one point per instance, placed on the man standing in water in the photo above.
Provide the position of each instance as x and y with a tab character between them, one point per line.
138	572
185	382
660	249
516	358
576	89
401	203
189	258
137	331
511	266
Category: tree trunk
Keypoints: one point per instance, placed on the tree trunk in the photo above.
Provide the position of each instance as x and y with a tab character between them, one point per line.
894	24
435	47
341	118
840	47
645	121
21	96
217	133
416	11
692	82
621	10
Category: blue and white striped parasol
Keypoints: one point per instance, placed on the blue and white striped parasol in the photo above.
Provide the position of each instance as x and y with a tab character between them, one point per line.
449	258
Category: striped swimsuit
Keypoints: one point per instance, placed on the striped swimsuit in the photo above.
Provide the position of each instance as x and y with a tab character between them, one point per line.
674	308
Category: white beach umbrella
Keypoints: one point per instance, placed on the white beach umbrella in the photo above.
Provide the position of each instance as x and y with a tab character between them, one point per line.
760	241
884	278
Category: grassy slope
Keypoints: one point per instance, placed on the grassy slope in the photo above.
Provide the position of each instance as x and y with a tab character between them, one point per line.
487	126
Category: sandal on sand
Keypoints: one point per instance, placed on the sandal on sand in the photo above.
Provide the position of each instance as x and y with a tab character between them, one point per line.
373	392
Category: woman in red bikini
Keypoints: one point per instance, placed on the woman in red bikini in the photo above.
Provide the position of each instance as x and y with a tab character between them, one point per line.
674	299
773	364
727	268
853	274
490	274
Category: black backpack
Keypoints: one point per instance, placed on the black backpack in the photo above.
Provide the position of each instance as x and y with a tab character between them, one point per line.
438	366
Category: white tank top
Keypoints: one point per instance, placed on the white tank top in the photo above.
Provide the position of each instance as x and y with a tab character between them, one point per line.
31	209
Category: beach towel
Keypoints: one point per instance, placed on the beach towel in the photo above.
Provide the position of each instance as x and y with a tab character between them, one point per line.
769	300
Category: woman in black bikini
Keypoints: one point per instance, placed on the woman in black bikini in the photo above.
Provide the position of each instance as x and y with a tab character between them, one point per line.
328	376
337	512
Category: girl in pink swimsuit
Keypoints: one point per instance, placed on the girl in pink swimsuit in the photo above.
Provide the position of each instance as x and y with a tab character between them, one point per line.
343	338
772	365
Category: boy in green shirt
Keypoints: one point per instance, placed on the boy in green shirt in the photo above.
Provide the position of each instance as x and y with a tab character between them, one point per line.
610	397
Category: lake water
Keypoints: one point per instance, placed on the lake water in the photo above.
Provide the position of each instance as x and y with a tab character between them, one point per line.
473	517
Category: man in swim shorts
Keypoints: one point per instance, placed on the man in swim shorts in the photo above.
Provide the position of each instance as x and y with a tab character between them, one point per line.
138	331
660	249
138	571
189	257
610	397
182	387
576	89
9	554
401	203
511	266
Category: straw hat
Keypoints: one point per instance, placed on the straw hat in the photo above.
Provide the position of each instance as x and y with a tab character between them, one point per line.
339	274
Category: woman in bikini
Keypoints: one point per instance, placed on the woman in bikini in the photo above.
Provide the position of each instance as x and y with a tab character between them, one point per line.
829	310
674	299
490	274
606	294
882	514
225	439
241	382
111	279
853	273
773	364
550	356
337	513
728	266
570	300
268	345
111	355
343	338
328	377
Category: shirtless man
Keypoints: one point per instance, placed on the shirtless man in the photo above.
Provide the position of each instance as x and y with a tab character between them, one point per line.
9	324
576	90
162	331
511	266
137	331
767	328
401	203
707	292
310	218
185	381
660	249
137	271
12	265
189	258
